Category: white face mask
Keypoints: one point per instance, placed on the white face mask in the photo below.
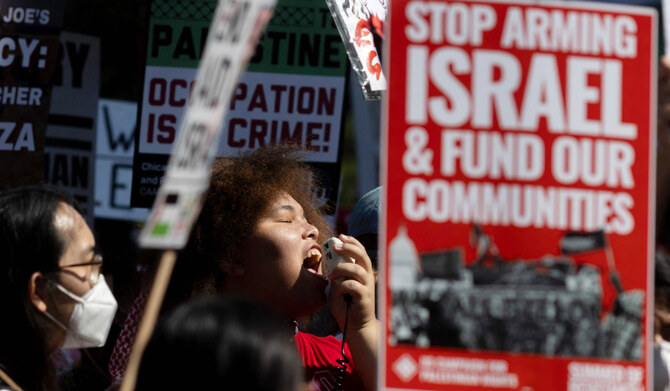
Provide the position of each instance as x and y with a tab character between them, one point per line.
91	318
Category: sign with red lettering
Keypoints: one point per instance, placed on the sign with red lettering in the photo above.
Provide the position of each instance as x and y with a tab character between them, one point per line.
519	165
234	32
291	93
361	26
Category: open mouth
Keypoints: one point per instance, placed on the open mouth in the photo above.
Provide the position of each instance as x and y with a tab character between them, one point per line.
312	261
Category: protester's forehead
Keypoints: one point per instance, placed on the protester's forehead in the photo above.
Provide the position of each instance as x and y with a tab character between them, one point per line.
284	201
65	218
78	240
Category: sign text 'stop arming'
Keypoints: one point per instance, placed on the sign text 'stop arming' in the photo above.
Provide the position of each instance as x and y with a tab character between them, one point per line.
543	31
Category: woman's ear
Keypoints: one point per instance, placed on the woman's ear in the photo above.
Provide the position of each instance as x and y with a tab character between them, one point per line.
36	291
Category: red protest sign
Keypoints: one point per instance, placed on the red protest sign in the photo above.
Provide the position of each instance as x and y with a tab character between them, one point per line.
518	176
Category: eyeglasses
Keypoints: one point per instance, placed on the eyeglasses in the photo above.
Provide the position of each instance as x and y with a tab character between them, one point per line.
96	270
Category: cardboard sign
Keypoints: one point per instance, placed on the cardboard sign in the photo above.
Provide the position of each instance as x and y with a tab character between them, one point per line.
519	168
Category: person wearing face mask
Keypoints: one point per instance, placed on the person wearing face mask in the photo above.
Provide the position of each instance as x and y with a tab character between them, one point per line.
53	293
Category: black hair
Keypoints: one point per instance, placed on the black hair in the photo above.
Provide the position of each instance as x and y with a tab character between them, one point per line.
220	342
29	243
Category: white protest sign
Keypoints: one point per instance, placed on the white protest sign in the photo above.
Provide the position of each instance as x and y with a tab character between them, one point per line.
117	124
356	20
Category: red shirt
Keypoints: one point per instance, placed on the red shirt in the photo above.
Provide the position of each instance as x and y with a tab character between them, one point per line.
319	356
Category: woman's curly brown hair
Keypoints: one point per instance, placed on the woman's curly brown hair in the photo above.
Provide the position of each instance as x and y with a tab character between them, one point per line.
241	190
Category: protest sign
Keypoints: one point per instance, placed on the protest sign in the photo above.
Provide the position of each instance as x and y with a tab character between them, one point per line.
28	50
117	123
230	42
233	34
360	24
69	147
519	168
292	91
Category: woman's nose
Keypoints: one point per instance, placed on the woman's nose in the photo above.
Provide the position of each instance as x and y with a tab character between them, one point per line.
311	232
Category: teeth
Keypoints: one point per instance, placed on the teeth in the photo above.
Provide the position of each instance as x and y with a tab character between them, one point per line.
314	254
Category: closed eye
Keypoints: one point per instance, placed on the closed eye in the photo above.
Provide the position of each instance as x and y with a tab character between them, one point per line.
284	214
